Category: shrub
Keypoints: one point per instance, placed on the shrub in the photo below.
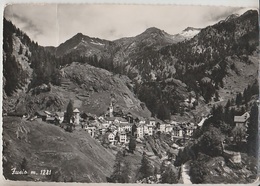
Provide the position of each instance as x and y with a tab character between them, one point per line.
198	171
211	142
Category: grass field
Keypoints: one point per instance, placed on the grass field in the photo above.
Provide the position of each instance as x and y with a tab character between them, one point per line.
71	156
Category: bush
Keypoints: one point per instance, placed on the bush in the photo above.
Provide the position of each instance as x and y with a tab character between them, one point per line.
169	176
198	171
211	142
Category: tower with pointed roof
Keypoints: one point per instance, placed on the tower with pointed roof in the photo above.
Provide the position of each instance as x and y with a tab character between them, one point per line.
111	110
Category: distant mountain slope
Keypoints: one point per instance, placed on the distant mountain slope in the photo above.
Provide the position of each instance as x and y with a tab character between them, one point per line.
72	157
83	46
92	88
167	71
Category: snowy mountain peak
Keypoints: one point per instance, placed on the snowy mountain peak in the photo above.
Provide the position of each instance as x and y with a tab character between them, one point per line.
190	32
186	34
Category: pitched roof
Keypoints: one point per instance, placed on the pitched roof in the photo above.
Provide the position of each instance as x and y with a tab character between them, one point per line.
110	118
121	119
111	133
59	114
50	118
47	112
152	119
76	110
124	124
190	127
241	119
140	125
176	128
40	113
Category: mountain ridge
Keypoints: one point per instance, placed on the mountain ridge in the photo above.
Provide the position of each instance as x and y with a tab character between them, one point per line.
152	57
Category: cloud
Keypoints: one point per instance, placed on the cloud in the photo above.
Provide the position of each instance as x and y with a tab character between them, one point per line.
220	15
36	20
27	24
52	24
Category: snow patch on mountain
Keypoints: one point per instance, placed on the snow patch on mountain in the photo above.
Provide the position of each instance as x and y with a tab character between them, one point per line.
190	33
186	34
97	43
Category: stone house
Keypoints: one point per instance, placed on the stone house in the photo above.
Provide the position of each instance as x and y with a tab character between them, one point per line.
91	130
140	130
111	138
59	117
242	121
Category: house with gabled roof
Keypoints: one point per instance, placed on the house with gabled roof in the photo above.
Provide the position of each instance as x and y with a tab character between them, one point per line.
177	131
123	138
152	121
105	124
242	121
190	129
59	116
111	138
162	127
91	130
102	129
168	128
140	130
120	120
88	116
41	114
142	120
48	114
150	128
110	120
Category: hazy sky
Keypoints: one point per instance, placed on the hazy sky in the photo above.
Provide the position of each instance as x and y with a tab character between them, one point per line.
52	24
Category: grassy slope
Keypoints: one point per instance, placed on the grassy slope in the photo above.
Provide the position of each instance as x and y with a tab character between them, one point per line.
73	156
237	82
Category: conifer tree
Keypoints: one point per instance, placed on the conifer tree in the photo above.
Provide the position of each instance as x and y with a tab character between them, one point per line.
132	144
20	50
121	170
168	176
145	169
69	111
252	131
239	99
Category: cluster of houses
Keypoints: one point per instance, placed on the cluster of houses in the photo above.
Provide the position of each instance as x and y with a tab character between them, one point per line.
118	129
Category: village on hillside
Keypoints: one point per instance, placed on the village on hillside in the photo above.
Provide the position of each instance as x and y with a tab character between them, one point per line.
115	129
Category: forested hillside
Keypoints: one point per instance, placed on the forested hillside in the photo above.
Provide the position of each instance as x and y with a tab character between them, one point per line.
161	70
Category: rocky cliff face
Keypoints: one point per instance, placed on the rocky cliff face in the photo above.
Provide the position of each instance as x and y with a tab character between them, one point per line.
16	65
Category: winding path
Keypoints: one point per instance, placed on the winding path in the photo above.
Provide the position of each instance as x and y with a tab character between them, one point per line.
185	173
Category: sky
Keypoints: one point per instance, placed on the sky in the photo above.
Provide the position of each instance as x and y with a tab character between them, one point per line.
53	24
